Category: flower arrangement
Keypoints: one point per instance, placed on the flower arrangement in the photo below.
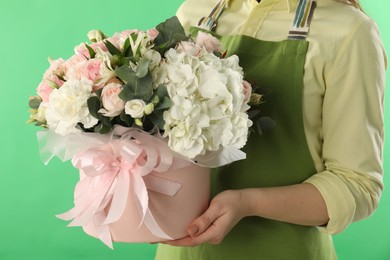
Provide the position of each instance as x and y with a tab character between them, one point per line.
134	104
158	80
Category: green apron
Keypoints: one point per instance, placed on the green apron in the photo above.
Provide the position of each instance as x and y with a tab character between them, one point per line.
278	157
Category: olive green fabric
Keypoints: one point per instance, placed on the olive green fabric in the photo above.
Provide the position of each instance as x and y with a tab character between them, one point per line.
277	157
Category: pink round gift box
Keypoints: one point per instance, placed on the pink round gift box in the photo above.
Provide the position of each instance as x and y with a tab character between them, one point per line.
172	213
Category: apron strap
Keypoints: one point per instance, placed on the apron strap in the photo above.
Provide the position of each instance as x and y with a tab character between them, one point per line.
210	22
298	29
302	18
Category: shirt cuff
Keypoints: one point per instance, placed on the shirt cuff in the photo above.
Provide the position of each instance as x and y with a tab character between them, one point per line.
339	201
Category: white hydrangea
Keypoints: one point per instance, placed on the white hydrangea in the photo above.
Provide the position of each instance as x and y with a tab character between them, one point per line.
68	107
207	96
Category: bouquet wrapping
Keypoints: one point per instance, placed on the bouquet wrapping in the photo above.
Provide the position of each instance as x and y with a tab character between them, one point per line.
143	115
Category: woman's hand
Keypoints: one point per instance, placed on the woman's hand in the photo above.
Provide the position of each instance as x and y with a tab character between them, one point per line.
300	204
224	212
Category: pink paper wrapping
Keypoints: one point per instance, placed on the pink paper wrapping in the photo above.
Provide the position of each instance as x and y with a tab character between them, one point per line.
132	187
172	213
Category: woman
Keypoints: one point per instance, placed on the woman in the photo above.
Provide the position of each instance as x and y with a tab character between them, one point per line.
320	168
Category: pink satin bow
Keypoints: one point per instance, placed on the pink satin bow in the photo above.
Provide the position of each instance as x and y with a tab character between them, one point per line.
113	170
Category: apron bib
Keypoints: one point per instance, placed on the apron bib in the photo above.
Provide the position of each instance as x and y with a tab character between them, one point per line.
278	157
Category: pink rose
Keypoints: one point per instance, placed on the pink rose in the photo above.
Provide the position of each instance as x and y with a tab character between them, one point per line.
189	48
44	90
247	90
209	42
89	69
112	104
92	69
118	39
152	33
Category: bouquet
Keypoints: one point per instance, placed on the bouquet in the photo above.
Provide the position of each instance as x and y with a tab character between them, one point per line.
138	103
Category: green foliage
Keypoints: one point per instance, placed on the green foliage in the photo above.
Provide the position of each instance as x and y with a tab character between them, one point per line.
34	102
170	33
135	87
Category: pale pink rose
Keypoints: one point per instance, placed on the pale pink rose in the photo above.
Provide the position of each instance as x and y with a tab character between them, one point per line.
81	50
152	33
118	39
100	45
44	90
89	69
52	78
57	67
92	69
209	42
73	61
112	104
189	48
247	90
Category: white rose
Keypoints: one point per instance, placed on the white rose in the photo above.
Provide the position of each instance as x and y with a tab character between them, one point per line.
135	108
112	104
68	106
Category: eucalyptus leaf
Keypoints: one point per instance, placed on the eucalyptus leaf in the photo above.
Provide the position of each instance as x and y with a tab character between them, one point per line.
266	122
94	105
164	104
170	33
34	102
125	73
126	119
142	68
157	119
137	88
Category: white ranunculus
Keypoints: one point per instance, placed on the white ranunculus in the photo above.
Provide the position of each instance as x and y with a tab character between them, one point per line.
135	108
68	107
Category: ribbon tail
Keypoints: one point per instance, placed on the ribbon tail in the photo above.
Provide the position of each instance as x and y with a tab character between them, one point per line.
103	231
119	199
141	196
152	225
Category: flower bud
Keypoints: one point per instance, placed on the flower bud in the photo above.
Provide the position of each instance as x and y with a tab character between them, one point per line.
149	108
95	35
255	99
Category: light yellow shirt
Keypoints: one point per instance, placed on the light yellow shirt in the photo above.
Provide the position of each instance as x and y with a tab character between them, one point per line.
343	94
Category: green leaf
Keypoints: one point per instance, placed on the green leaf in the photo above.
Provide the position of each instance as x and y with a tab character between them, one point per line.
125	73
102	129
170	33
92	53
128	120
142	68
137	88
94	106
157	119
168	29
111	48
34	102
127	52
164	104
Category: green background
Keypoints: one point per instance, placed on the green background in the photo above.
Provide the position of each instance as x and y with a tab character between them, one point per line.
31	193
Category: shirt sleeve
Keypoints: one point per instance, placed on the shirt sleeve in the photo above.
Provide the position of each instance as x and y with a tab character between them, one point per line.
353	129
